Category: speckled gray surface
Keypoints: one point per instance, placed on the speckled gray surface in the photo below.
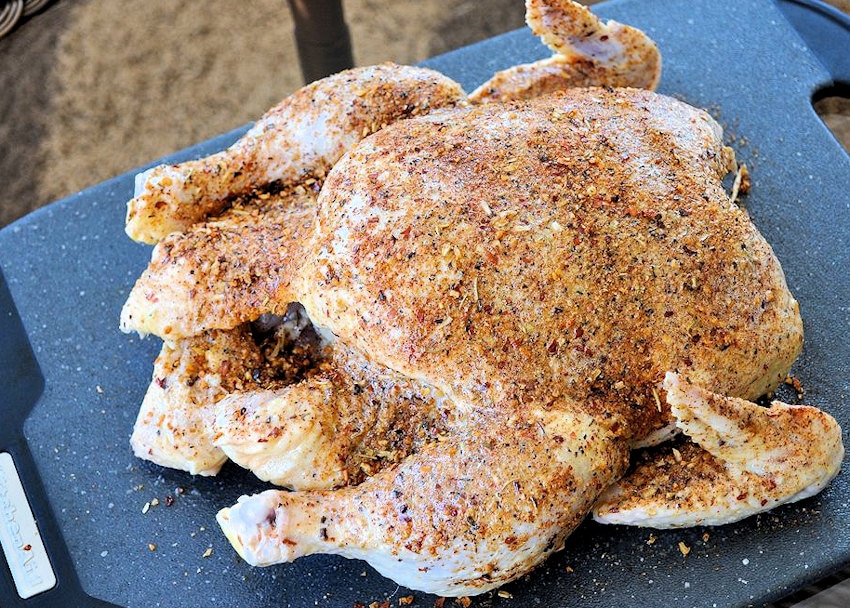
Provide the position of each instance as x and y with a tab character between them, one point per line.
69	267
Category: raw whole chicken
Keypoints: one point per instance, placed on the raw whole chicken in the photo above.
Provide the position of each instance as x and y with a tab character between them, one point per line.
443	323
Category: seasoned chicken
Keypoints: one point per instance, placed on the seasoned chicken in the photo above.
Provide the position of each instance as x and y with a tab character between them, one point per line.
290	436
504	300
174	424
752	459
587	52
300	138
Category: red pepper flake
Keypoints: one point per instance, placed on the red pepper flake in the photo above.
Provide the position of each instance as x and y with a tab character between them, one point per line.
224	368
583	349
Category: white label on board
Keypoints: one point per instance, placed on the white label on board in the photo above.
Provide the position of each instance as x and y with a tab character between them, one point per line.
19	536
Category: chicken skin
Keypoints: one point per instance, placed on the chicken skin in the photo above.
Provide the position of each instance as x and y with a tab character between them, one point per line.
178	411
502	299
763	457
300	138
587	52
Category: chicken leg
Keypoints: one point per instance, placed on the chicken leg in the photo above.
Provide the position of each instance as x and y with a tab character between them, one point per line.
464	515
346	421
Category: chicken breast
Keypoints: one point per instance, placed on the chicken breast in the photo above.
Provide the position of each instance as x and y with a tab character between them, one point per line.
577	245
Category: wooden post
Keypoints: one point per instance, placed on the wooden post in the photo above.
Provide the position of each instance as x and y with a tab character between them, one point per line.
322	38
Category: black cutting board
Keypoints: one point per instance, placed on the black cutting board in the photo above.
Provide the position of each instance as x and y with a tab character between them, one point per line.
71	383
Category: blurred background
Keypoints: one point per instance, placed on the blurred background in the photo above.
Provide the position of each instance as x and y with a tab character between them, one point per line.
90	89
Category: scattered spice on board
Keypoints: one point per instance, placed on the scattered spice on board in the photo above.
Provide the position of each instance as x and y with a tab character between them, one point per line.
794	382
